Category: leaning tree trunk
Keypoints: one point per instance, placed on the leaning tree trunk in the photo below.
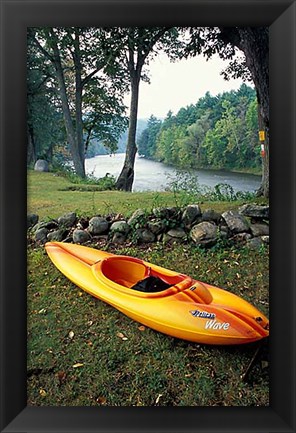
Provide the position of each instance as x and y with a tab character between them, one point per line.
254	42
126	177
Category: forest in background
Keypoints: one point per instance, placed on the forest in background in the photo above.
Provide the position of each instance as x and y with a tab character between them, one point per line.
219	132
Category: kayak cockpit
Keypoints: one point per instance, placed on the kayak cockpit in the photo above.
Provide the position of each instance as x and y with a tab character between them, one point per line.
138	278
134	274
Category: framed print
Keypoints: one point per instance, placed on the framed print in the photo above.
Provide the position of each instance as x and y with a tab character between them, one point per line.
16	17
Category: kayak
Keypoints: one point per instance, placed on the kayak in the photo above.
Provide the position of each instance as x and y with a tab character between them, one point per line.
164	300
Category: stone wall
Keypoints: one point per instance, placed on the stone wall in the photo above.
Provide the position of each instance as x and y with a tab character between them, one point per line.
248	225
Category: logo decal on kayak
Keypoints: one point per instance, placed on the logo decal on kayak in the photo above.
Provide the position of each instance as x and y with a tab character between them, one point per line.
202	314
213	324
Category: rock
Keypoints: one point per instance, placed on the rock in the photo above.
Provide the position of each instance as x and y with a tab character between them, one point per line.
260	229
145	235
32	220
190	214
241	237
41	235
41	165
136	217
57	235
98	226
119	238
254	211
157	226
223	232
236	223
49	225
211	215
82	223
67	220
255	243
204	234
120	226
161	212
80	236
175	235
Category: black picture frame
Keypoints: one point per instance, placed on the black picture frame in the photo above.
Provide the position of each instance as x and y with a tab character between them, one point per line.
16	16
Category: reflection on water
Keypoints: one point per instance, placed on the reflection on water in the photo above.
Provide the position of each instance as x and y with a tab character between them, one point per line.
153	176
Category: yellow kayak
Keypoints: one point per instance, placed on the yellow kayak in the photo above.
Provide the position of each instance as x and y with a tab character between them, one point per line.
161	299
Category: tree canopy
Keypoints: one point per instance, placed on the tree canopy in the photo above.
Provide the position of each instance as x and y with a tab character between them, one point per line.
89	84
216	132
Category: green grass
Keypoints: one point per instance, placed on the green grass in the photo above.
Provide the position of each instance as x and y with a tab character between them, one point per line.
76	353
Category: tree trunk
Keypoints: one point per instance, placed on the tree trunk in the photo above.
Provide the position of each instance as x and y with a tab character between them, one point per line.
78	101
264	187
71	136
254	42
126	177
31	151
76	154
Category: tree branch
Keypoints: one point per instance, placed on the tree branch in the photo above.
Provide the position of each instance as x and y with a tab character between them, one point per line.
42	49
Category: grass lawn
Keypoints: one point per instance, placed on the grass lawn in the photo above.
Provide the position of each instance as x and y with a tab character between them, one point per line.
49	196
82	352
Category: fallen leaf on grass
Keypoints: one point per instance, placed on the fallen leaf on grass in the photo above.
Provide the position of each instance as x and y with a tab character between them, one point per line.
141	328
42	392
158	398
61	375
122	336
79	364
101	400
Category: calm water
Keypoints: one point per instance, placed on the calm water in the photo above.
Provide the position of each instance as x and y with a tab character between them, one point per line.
153	176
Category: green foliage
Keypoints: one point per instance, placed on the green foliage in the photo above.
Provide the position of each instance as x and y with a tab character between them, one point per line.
216	132
147	140
186	190
185	187
44	116
67	171
88	82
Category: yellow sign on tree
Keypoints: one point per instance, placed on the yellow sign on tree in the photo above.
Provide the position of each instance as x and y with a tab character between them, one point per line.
261	135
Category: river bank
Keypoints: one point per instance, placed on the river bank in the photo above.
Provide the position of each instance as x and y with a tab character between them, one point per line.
51	195
156	176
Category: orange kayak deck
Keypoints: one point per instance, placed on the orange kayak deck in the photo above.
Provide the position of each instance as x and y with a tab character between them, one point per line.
186	309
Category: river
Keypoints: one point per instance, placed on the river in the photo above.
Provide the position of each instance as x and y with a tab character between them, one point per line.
155	176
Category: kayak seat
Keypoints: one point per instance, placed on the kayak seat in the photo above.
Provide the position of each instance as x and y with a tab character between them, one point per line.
126	271
151	284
